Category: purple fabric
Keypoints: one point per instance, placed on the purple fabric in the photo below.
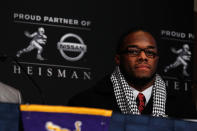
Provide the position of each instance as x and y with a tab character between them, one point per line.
36	121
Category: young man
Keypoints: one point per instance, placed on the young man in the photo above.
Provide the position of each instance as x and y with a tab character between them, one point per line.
134	87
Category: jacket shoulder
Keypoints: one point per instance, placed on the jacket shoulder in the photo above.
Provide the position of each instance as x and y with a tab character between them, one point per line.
9	94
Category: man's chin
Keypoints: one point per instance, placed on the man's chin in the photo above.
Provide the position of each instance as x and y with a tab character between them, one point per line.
142	80
146	76
143	76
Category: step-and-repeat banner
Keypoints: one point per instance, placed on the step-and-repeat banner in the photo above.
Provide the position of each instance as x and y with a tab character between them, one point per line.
57	49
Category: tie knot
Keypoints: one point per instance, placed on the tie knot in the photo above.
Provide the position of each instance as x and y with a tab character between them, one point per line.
141	97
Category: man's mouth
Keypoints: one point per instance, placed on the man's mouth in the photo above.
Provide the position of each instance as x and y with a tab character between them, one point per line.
143	67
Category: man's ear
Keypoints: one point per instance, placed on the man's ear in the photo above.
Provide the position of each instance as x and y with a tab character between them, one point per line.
117	59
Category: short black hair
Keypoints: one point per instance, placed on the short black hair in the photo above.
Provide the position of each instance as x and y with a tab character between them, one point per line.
132	30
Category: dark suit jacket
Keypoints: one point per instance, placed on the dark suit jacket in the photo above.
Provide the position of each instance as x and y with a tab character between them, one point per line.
102	96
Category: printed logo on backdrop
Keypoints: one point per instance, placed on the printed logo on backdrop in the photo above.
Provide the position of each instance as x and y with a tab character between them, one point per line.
177	57
38	38
65	47
71	46
182	59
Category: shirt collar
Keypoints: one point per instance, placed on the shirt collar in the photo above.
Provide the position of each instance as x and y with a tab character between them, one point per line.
147	93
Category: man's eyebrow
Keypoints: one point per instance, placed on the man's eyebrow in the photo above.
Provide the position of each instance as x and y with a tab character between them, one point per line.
132	46
135	46
151	47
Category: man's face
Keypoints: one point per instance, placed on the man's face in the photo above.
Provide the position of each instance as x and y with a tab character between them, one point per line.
139	55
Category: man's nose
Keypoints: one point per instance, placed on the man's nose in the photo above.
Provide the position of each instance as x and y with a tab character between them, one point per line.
142	55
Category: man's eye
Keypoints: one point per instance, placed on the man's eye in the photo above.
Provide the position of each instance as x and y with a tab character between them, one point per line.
151	53
133	52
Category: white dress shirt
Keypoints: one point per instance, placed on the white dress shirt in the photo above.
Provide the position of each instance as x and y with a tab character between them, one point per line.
147	93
